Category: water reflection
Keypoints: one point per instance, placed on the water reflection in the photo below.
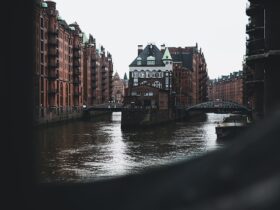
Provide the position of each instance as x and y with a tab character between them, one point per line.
82	151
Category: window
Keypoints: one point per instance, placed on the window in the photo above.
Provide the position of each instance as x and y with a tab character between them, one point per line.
42	45
157	84
42	34
42	57
42	22
133	93
135	82
142	74
151	63
135	74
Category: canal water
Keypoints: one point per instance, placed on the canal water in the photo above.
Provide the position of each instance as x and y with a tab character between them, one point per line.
83	151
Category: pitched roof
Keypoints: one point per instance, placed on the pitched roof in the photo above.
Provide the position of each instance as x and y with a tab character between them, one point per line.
184	55
150	50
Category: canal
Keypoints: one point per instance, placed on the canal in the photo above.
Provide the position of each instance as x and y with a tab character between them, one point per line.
83	151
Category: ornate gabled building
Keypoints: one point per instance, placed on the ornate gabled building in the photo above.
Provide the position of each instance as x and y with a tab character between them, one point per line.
152	69
182	72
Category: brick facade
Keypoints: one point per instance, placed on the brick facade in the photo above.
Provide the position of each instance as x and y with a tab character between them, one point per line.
227	88
64	68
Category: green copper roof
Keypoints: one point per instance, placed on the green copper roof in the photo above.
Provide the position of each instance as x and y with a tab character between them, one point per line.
166	55
44	5
59	18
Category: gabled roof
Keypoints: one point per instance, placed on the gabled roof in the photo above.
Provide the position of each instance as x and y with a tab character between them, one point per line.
150	50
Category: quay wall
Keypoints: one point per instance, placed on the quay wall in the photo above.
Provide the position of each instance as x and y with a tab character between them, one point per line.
52	118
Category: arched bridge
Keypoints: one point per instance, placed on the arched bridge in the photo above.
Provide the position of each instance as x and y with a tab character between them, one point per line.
219	107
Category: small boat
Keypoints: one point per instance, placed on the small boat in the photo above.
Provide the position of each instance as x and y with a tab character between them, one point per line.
231	127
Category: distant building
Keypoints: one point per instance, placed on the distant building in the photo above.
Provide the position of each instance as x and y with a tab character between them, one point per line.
181	72
118	89
152	69
227	88
190	76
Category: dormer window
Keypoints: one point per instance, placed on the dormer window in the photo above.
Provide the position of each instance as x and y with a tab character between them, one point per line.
151	60
139	61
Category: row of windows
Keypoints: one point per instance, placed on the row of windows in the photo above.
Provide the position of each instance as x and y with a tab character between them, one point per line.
134	93
152	63
153	74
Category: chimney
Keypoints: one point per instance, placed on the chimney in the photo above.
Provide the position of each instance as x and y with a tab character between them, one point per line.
140	49
162	48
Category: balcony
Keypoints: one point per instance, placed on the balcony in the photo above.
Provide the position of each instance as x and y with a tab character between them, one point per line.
77	64
53	65
53	75
77	82
53	53
255	46
77	93
53	32
53	91
76	48
254	9
93	65
250	27
53	42
77	55
77	72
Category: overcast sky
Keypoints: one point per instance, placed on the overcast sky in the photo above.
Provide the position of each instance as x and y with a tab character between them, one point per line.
218	26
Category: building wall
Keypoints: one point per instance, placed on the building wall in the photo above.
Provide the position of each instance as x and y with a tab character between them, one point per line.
63	68
227	88
189	82
118	91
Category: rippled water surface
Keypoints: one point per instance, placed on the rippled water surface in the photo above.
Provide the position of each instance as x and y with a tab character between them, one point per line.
82	151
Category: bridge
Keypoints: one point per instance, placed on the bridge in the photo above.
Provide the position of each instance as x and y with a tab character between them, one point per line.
108	107
219	107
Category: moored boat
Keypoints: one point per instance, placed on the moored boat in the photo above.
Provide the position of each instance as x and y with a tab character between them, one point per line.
232	126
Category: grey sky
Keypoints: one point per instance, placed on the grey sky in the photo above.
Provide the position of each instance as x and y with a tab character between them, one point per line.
218	26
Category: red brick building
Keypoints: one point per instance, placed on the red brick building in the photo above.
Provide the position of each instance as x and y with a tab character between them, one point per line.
190	75
227	88
64	69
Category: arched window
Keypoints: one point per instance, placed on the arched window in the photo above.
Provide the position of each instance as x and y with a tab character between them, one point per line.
157	84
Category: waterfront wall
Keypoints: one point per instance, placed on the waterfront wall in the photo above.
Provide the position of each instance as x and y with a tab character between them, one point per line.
58	117
143	118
